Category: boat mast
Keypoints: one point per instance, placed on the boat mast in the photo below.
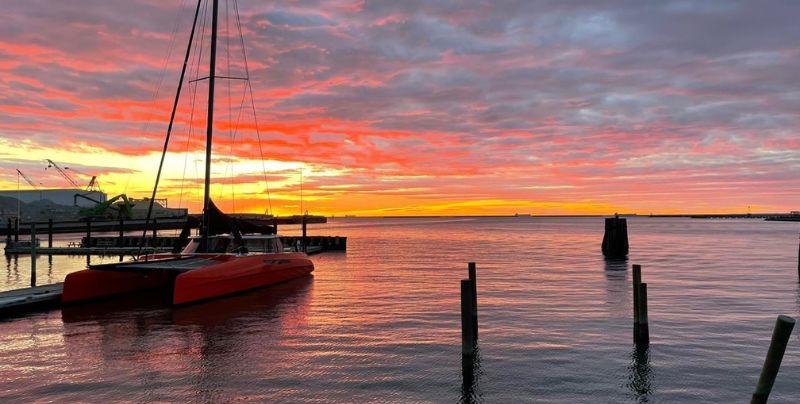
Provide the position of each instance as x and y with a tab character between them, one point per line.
169	128
210	122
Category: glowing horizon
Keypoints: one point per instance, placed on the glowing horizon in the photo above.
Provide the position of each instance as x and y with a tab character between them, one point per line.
411	108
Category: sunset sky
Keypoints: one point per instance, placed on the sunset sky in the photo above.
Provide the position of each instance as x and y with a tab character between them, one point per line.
415	107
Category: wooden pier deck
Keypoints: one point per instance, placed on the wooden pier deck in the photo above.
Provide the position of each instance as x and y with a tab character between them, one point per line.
19	301
161	223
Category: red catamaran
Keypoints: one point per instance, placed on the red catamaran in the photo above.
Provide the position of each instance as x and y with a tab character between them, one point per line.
231	255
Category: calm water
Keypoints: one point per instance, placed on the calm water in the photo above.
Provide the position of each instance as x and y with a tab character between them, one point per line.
381	322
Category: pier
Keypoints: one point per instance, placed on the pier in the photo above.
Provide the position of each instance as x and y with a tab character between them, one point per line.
19	301
161	223
127	245
765	216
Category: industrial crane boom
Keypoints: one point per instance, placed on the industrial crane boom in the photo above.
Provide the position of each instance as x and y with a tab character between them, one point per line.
93	185
28	180
51	163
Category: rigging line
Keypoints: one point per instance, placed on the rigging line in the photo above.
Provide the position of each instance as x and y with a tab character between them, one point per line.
170	48
235	134
212	70
193	67
197	72
169	127
231	133
202	38
192	99
252	104
218	77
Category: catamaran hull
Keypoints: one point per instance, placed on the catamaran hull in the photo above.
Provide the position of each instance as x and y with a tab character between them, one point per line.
226	274
241	274
91	284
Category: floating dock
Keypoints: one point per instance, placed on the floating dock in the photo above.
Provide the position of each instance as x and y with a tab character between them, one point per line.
14	302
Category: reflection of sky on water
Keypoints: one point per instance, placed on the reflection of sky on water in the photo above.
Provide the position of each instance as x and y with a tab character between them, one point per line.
381	322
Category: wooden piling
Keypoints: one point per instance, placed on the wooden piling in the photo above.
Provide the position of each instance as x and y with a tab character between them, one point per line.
16	229
615	238
155	232
50	233
472	278
33	255
777	347
642	328
121	239
88	233
467	340
8	233
468	375
305	250
637	280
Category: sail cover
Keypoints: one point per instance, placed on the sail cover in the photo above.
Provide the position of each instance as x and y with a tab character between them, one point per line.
221	223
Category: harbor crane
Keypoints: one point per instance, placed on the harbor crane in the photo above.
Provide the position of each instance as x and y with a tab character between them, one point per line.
93	185
52	164
28	180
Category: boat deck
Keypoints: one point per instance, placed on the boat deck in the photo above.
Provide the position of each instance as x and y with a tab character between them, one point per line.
174	265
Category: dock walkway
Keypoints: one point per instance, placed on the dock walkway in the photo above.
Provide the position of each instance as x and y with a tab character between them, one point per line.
19	301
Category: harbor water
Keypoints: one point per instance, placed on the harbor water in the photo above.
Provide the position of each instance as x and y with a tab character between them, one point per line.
381	322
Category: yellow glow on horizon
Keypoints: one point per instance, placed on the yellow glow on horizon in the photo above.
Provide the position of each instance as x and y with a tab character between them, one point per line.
239	185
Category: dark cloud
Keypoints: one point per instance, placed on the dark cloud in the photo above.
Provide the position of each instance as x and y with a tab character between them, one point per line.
511	92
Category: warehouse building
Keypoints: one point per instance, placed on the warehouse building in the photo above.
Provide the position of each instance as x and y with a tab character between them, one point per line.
58	196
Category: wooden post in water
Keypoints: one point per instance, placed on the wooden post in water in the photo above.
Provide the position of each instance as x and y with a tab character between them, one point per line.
472	279
88	233
33	254
155	231
16	229
8	233
777	347
615	238
50	233
121	239
467	340
642	329
304	234
637	280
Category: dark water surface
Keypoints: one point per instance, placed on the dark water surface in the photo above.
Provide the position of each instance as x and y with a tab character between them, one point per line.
381	322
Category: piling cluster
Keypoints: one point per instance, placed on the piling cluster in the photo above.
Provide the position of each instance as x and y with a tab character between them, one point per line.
780	338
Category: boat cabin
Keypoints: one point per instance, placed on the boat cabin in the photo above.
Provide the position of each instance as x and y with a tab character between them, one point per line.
226	244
